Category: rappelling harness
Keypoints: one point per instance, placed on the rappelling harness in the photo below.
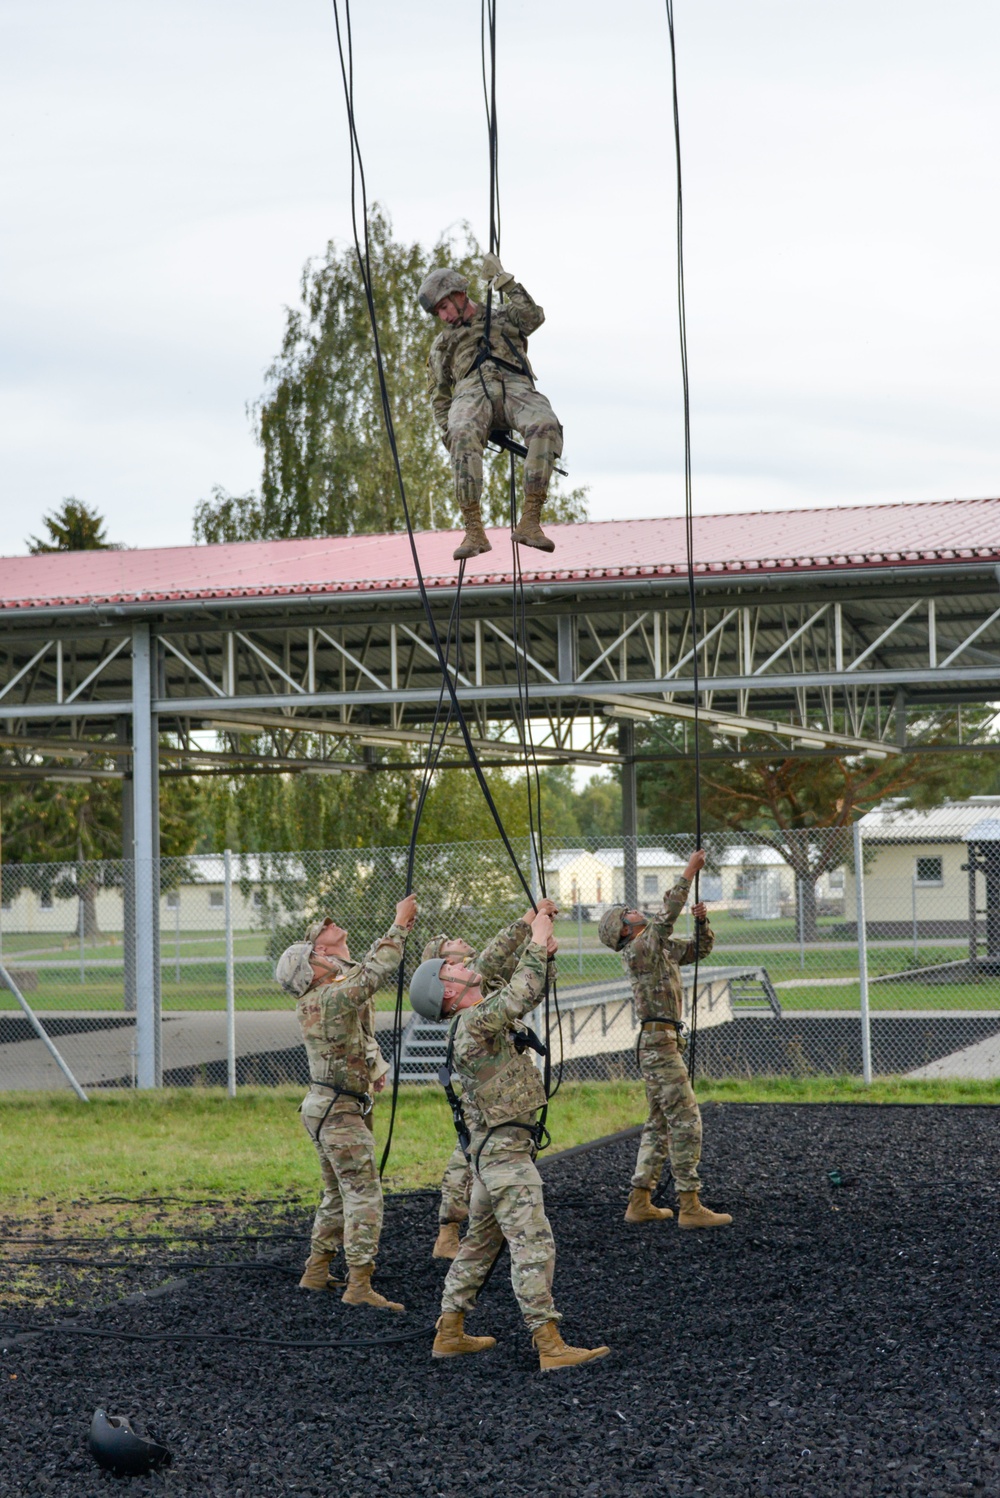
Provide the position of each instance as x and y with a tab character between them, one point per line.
364	1099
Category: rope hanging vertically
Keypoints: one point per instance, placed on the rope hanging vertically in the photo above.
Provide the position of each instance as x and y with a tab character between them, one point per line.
519	622
363	252
688	519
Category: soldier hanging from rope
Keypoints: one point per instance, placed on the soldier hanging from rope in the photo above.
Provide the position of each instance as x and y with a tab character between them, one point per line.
653	960
503	1092
480	380
495	964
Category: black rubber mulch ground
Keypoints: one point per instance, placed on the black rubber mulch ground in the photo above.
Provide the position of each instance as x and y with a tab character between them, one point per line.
834	1342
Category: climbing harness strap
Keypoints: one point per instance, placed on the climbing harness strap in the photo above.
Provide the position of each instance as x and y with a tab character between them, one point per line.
540	1138
454	1101
657	1019
365	1099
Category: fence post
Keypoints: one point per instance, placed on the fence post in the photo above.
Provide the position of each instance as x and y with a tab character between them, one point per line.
83	955
145	864
866	1023
630	816
230	979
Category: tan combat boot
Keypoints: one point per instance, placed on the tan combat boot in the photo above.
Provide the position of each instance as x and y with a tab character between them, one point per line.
553	1352
317	1275
359	1290
475	541
528	532
641	1209
451	1340
693	1215
446	1246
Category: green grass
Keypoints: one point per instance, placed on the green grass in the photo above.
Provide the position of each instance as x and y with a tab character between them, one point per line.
199	1143
202	985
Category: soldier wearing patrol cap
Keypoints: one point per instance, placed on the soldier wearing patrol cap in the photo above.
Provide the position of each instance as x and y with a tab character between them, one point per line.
335	1012
502	1095
480	380
495	965
652	960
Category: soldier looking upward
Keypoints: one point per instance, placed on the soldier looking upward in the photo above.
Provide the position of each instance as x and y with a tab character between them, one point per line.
336	1015
495	964
480	379
503	1093
652	960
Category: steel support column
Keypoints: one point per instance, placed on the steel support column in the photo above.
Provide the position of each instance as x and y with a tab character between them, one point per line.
630	812
146	884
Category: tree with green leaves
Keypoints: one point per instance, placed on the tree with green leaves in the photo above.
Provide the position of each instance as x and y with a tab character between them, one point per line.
74	526
801	806
73	828
328	467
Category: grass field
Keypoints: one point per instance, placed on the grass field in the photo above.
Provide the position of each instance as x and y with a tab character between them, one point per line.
196	1144
820	976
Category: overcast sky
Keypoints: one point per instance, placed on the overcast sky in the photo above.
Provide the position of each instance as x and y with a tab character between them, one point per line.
168	168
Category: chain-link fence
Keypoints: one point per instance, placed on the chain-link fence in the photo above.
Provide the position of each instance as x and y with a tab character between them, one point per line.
171	977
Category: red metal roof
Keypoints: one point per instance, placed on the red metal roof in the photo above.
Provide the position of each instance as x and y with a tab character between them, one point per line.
785	541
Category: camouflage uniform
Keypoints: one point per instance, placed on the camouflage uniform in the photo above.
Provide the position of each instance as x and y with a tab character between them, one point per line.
503	1088
337	1022
469	402
496	963
653	962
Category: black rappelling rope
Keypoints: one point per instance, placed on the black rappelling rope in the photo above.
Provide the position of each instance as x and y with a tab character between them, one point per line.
688	523
519	624
363	251
430	765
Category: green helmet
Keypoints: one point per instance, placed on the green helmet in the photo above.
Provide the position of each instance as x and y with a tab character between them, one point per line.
610	929
427	990
293	971
439	284
432	948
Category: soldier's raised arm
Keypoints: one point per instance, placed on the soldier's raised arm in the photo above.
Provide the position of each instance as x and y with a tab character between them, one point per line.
525	988
661	925
525	312
383	956
498	959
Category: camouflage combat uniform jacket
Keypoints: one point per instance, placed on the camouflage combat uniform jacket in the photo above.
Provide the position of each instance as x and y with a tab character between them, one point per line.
501	1084
450	365
653	961
498	959
337	1020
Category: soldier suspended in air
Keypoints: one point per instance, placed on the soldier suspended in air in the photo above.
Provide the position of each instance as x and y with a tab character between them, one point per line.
480	381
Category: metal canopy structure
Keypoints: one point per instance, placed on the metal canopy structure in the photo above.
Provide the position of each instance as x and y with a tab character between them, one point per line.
817	629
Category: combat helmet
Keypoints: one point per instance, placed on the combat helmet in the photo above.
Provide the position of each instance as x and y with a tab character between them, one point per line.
439	284
293	971
432	948
610	929
427	989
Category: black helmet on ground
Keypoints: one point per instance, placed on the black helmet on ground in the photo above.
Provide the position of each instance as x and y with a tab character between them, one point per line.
115	1446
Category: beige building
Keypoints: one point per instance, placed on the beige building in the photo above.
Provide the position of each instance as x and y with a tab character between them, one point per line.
197	904
915	860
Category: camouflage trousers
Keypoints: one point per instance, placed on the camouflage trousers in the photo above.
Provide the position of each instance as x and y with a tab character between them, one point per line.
506	1204
674	1123
507	401
350	1212
456	1188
